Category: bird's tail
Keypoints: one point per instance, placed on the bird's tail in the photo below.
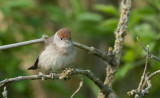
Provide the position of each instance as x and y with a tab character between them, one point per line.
33	67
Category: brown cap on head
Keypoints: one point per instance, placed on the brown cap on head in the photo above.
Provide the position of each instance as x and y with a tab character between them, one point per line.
64	33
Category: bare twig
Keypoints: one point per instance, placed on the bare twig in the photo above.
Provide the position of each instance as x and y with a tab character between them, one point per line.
144	91
145	69
41	40
140	91
4	93
153	74
150	54
66	74
91	50
145	81
80	85
150	77
141	44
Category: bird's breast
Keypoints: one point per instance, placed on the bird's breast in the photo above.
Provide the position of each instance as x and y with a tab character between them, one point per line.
56	58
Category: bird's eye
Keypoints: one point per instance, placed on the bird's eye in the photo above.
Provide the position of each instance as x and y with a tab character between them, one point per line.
61	38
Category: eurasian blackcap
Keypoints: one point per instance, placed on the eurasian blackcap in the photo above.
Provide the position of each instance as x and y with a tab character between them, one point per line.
57	53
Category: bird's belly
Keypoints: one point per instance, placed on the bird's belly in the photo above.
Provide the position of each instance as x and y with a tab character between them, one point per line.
50	60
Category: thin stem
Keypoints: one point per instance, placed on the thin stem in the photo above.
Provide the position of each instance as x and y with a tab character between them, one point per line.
150	54
80	85
21	44
145	69
153	74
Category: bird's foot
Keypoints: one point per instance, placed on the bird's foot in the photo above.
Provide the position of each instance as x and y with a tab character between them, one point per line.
52	74
42	75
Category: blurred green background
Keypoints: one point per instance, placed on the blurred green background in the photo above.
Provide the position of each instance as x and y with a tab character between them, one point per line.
92	23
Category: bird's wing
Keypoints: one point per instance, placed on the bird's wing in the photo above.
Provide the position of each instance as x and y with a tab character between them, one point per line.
35	66
47	42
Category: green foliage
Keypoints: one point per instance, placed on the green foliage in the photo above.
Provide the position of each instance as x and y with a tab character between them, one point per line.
108	25
108	9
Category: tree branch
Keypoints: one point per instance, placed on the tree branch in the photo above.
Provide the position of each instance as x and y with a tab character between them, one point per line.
145	84
150	77
150	54
122	29
141	91
112	65
41	40
66	74
91	50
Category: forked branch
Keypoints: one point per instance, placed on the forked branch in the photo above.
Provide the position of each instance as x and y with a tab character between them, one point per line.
145	83
66	74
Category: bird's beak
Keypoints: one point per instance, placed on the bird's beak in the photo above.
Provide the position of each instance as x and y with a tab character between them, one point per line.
66	40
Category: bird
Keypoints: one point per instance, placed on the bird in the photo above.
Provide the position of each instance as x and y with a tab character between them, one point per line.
58	52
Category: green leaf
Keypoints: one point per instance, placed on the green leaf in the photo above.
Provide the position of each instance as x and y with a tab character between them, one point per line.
146	11
145	32
77	6
108	25
55	13
93	17
129	56
123	71
109	9
155	3
16	3
92	86
20	86
141	14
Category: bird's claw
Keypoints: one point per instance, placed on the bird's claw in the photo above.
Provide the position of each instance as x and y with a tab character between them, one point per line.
52	74
42	75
